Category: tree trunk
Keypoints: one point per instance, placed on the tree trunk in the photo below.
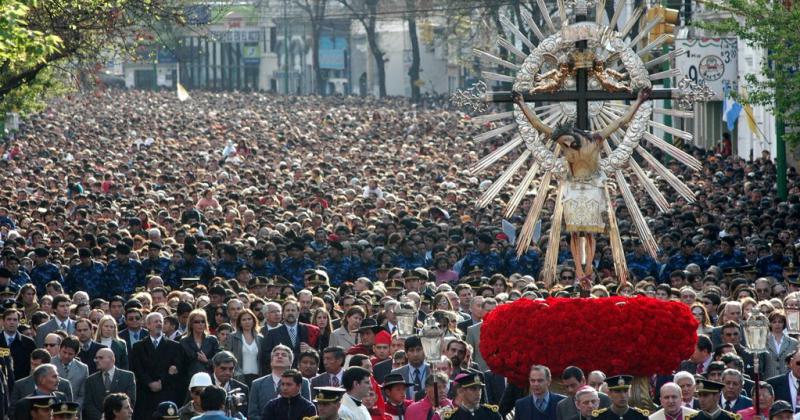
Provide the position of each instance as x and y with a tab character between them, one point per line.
413	71
320	83
520	24
372	38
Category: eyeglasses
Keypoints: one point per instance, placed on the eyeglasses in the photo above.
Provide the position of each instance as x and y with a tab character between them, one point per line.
567	278
134	318
198	321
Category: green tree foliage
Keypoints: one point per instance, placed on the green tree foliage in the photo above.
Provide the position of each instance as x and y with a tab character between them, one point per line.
774	27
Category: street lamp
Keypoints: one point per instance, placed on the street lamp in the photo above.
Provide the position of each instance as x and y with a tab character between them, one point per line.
431	338
756	330
793	319
406	316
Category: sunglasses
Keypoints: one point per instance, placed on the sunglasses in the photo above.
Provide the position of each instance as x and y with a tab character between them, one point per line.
50	345
198	321
134	318
567	278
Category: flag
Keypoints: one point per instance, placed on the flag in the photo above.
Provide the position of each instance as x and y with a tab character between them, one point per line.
730	109
510	230
182	93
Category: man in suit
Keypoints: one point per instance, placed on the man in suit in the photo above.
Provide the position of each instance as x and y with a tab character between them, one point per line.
27	385
292	333
541	404
60	321
785	385
671	404
573	379
224	363
474	340
686	383
265	388
21	346
45	376
133	331
88	347
732	399
416	370
154	361
699	360
475	313
356	381
731	313
332	361
106	380
71	368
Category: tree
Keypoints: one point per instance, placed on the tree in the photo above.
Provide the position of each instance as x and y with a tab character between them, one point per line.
413	71
365	11
772	27
315	9
44	43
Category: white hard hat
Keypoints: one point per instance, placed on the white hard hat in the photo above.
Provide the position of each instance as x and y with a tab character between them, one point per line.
200	379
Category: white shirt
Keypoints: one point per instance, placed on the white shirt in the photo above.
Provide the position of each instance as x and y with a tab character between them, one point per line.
9	338
156	340
250	357
111	374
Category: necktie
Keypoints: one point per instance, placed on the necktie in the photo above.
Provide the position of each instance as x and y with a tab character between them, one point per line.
106	380
155	342
64	325
727	405
540	404
10	340
334	381
293	335
277	387
699	368
417	380
66	370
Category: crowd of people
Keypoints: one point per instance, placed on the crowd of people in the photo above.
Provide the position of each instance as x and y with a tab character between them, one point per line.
247	254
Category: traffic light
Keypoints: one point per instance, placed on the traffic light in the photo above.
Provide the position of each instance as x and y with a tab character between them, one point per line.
670	18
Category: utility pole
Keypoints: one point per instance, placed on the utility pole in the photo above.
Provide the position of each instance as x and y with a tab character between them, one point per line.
286	47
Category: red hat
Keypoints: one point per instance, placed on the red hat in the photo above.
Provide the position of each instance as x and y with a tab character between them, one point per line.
383	337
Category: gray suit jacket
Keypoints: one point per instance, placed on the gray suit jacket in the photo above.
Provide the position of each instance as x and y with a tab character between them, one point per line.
262	391
51	326
776	358
566	409
78	372
405	370
474	340
323	379
340	337
26	386
123	381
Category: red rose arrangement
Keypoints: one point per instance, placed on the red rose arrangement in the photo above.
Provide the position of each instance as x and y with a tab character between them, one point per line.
637	336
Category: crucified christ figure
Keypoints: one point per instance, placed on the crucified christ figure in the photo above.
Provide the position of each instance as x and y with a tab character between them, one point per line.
583	197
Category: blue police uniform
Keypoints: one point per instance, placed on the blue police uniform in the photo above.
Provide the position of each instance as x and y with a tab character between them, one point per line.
123	279
44	274
86	278
734	260
409	262
769	266
528	264
679	261
199	267
267	269
489	262
339	271
228	269
368	269
642	266
21	278
293	270
156	267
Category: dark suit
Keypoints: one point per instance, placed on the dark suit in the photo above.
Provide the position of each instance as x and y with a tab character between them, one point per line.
463	325
381	369
233	384
121	351
151	364
21	349
125	335
280	335
741	403
780	384
123	381
189	349
566	408
26	386
526	410
87	356
495	386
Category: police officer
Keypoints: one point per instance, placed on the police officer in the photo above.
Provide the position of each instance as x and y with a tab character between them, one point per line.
230	262
123	274
328	400
708	399
338	267
43	271
37	407
87	274
155	264
166	410
469	393
260	267
482	257
65	410
193	266
618	391
294	266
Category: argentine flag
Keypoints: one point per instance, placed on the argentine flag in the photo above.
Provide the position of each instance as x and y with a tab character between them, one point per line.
730	108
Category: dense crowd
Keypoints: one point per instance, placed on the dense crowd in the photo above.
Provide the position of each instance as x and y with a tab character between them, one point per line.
263	234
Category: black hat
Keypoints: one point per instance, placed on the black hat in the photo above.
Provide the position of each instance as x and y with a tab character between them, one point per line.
123	248
394	379
619	382
84	253
4	273
485	238
281	281
242	268
189	282
66	407
469	380
394	284
794	280
295	246
778	407
369	324
190	250
41	401
384	268
318	277
705	386
41	252
328	394
258	281
154	245
166	410
336	245
258	254
8	290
